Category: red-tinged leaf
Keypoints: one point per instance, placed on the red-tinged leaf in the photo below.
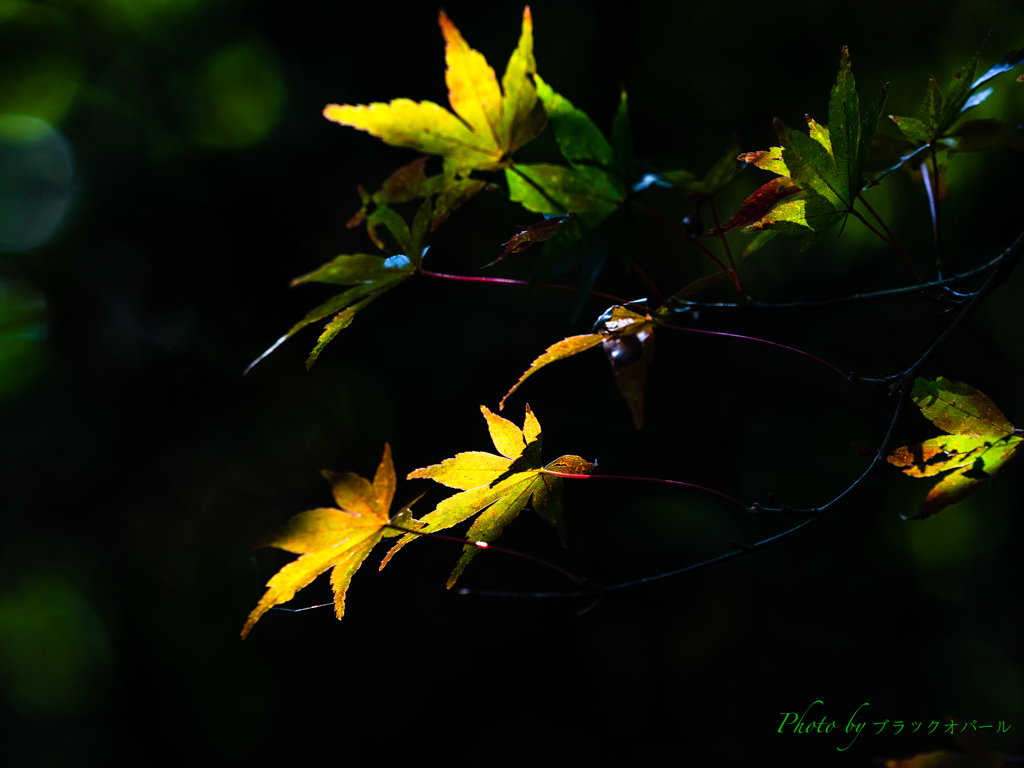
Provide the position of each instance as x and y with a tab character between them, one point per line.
533	234
496	487
338	538
759	204
768	160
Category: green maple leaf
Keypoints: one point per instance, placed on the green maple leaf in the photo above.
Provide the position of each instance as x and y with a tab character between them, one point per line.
718	177
496	487
939	124
827	164
979	443
369	275
334	538
593	188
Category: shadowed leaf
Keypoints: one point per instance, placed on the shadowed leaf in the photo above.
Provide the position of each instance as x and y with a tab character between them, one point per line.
533	234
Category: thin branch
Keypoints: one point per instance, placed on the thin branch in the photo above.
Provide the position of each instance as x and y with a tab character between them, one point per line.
815	515
648	281
486	545
679	230
931	187
878	218
1011	253
891	244
508	281
808	355
725	240
740	504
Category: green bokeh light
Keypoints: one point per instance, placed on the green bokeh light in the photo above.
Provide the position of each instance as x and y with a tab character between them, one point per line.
53	648
22	331
237	98
41	71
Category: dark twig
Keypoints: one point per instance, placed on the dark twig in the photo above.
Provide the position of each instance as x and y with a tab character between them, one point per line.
707	252
508	281
486	545
904	382
655	291
724	238
808	355
725	496
931	188
892	244
1010	254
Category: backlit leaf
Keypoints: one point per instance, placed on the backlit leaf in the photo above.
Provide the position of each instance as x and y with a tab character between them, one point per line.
593	187
979	443
488	125
496	488
490	122
827	164
369	274
535	233
627	338
338	538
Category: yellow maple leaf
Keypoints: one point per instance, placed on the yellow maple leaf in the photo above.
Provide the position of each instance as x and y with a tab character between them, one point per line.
489	122
498	487
338	538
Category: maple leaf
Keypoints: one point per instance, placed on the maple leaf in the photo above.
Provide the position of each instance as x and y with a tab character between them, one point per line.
978	443
826	165
627	338
539	232
593	188
338	538
490	122
369	275
497	487
941	111
718	177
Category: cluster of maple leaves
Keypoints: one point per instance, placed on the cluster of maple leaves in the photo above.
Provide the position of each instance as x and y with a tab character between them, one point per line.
588	205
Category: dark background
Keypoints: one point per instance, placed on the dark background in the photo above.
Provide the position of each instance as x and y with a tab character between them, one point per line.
139	465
